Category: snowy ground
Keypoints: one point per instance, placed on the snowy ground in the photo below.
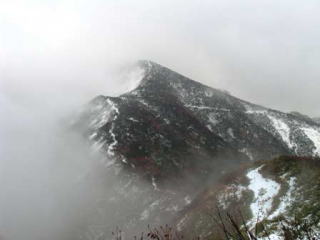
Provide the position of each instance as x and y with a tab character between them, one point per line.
286	200
264	191
314	136
283	129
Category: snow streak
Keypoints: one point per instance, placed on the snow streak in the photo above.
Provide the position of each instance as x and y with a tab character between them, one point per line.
114	142
314	136
283	130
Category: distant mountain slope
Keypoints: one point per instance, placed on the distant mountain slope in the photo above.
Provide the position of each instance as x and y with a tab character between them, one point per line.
317	120
180	136
171	125
284	189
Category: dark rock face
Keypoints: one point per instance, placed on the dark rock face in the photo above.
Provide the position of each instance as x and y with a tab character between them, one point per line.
171	125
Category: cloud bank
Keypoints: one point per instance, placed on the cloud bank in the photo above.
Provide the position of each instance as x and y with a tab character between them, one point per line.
264	51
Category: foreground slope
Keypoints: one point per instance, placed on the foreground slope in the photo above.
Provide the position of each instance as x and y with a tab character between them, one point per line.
267	193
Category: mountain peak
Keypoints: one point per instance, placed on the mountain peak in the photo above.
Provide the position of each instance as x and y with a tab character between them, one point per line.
148	64
155	76
158	77
152	68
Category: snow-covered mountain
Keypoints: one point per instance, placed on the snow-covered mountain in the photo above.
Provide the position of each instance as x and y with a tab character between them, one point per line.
168	117
179	136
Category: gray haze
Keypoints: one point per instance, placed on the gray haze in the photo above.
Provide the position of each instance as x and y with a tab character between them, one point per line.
57	55
263	51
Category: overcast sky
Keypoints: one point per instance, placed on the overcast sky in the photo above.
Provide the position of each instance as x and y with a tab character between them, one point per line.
264	51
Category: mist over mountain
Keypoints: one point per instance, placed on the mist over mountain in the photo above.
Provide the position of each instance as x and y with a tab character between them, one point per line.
92	140
147	156
180	136
168	114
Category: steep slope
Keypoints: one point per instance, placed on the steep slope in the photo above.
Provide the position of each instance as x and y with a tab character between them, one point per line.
156	132
180	135
268	194
169	122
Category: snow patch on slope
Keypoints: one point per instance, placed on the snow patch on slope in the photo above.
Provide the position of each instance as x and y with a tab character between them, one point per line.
314	136
251	111
202	107
272	236
264	191
283	129
287	199
254	110
103	112
213	118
